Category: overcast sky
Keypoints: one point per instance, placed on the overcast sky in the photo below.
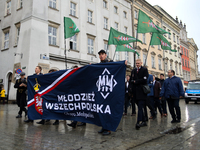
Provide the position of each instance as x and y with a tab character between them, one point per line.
188	12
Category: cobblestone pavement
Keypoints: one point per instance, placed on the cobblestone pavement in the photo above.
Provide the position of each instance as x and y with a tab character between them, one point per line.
15	134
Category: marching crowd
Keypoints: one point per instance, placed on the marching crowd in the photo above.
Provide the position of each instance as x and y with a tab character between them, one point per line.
141	88
160	92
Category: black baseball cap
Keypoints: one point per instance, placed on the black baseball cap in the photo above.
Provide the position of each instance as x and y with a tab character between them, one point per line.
102	51
22	73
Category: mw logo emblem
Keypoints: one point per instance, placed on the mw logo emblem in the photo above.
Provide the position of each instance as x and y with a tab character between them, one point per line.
106	83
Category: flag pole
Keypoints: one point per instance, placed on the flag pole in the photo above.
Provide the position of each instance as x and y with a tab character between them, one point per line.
164	63
65	54
114	55
135	49
148	51
65	51
133	35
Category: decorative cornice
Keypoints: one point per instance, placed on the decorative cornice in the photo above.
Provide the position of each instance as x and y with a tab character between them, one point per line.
160	56
153	53
138	48
144	50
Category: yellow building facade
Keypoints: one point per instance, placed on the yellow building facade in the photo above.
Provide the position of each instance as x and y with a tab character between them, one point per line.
158	60
152	55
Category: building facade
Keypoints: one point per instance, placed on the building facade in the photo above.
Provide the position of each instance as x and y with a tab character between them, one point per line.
32	33
184	54
158	60
193	59
151	56
172	60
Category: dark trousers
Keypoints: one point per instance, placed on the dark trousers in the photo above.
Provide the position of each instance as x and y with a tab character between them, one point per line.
163	105
141	105
173	105
75	122
158	105
150	104
2	98
22	108
133	105
126	102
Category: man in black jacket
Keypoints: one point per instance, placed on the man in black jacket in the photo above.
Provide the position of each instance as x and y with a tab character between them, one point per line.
21	85
139	77
127	96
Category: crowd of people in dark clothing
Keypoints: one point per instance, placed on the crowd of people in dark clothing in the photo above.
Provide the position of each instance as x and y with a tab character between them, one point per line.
162	91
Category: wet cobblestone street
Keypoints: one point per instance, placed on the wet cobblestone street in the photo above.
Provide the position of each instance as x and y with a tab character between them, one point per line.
15	134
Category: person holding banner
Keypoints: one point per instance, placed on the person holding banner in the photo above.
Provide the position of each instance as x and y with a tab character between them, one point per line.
43	120
38	71
74	123
21	85
103	59
139	77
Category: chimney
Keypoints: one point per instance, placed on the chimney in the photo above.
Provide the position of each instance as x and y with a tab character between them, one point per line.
184	26
176	19
181	23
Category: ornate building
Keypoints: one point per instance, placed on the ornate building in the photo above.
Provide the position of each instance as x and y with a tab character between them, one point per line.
193	59
172	60
159	61
184	53
32	33
152	55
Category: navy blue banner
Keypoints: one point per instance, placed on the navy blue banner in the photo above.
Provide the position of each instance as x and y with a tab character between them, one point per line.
92	94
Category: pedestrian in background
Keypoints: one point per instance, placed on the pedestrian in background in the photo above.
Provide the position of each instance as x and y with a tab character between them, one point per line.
163	100
130	92
156	94
127	96
21	85
3	95
172	90
150	100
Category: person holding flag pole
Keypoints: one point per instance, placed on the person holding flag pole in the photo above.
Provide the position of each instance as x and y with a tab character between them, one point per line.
121	40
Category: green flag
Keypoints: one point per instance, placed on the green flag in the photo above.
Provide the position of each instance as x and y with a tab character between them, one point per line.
70	28
145	25
118	38
159	39
126	48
